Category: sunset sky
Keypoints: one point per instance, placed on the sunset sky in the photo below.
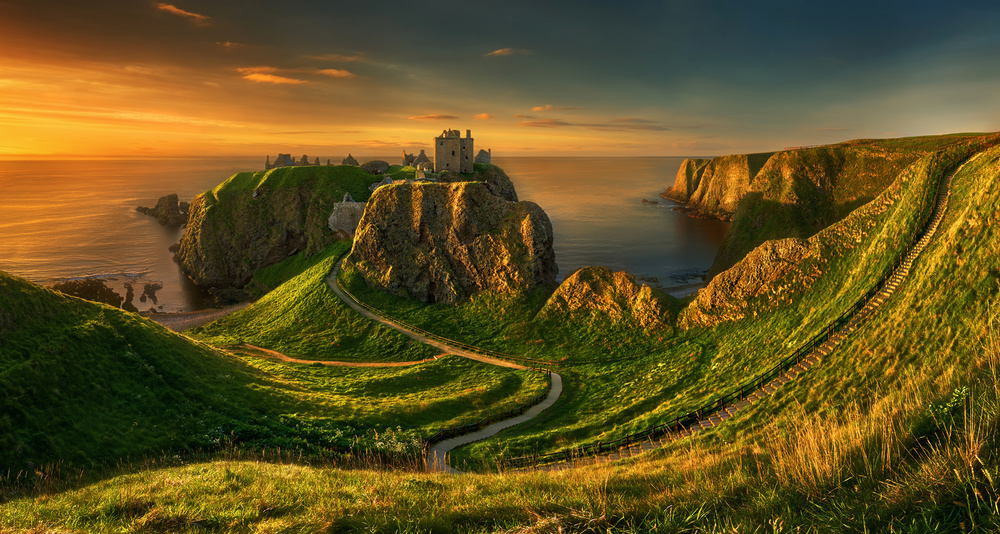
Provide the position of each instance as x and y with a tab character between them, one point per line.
677	77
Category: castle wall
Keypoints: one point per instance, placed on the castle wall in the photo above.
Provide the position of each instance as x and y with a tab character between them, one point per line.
454	153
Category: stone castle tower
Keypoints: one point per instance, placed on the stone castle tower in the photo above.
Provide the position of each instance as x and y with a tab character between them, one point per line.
452	152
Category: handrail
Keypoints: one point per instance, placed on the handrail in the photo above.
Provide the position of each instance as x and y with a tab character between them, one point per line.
680	423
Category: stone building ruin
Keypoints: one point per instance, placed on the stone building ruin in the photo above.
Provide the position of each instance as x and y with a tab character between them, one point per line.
452	152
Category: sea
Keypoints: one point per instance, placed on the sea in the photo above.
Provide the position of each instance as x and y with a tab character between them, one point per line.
72	219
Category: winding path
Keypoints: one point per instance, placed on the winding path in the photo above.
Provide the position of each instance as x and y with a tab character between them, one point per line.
437	454
279	356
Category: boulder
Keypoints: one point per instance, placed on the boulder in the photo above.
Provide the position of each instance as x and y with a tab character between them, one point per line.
445	242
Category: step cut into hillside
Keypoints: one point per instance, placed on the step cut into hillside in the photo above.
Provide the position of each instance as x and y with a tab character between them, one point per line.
445	242
613	294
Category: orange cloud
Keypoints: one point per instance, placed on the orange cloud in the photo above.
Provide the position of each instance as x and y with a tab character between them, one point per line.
337	73
432	117
545	123
509	52
229	44
483	117
201	20
266	75
550	107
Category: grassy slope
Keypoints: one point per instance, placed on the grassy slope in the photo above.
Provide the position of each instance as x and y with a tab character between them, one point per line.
85	383
849	447
88	383
305	320
621	378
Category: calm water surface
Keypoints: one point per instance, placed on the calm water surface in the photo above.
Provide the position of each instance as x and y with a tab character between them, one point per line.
71	219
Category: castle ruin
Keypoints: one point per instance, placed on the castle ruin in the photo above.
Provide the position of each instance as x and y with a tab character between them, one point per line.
452	152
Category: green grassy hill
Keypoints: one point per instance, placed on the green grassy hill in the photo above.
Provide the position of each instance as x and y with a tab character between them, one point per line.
85	383
893	432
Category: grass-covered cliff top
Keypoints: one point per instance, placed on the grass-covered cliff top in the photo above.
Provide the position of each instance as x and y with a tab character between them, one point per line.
893	432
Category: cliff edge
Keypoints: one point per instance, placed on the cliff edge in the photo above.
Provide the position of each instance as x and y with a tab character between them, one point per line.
256	219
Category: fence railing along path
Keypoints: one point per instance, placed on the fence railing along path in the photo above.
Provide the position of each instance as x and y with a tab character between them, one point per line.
437	446
764	384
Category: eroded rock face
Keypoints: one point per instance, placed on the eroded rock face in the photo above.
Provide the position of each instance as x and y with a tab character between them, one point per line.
496	180
444	242
714	187
168	211
725	297
616	294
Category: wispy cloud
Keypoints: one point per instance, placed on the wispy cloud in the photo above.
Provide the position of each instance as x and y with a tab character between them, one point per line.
546	123
228	45
338	57
519	116
380	144
295	133
550	107
337	73
266	75
114	115
614	125
483	117
432	117
509	52
201	20
619	125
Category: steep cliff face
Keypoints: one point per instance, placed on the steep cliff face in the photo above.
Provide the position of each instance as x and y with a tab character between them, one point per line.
714	187
799	192
614	294
794	193
254	220
445	242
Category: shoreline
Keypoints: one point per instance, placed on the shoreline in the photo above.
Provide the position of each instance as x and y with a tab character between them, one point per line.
180	321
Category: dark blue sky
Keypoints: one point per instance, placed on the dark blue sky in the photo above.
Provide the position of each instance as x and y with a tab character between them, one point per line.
658	78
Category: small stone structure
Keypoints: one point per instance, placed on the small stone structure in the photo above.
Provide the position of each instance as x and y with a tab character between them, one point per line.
283	160
346	216
452	152
484	156
349	160
408	158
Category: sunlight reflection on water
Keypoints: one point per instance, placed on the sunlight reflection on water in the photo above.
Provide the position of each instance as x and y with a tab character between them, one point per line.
68	219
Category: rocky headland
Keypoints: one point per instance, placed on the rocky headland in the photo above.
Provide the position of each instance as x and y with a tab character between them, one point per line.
443	242
777	195
256	219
